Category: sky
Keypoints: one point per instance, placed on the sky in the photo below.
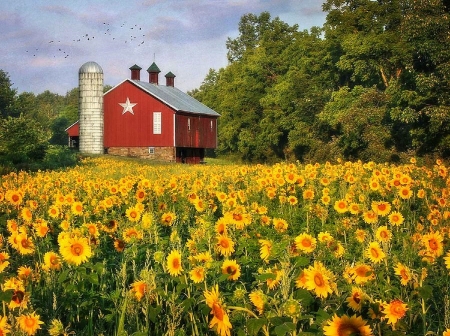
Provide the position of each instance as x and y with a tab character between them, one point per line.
43	43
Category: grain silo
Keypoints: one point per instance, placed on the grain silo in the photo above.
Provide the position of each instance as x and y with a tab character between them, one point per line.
90	108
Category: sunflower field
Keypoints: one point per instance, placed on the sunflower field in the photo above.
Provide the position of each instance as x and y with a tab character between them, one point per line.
117	247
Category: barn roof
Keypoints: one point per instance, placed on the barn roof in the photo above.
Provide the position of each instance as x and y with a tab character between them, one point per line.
175	98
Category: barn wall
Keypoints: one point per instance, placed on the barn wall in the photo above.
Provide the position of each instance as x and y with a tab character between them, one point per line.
160	153
135	130
200	134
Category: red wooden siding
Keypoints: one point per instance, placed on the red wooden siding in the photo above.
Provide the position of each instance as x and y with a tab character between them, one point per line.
134	130
199	134
74	130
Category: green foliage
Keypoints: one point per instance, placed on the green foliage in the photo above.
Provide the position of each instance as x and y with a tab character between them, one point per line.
58	156
21	141
372	84
7	94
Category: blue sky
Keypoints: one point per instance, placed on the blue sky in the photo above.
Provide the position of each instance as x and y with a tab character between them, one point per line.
44	42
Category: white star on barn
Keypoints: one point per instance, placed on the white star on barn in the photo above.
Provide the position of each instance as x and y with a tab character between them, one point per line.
127	106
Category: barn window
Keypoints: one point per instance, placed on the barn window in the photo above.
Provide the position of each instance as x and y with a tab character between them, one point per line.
156	122
189	124
151	150
211	125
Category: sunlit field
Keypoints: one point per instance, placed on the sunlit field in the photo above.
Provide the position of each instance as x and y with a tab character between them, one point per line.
117	247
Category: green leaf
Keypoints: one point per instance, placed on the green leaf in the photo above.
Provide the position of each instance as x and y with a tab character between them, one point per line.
93	278
6	296
425	292
322	316
187	304
303	296
284	328
153	313
301	261
266	276
63	276
255	324
223	277
139	333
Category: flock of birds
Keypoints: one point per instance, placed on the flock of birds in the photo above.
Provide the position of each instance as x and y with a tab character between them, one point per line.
129	34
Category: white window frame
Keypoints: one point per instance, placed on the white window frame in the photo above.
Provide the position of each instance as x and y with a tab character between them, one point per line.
189	124
151	150
157	123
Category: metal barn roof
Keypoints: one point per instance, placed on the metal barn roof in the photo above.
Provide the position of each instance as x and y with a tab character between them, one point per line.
176	98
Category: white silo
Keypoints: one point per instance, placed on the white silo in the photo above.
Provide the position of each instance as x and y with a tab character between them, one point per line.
90	108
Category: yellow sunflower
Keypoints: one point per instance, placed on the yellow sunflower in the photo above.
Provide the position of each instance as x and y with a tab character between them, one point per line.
77	208
220	318
308	194
25	244
110	226
51	261
15	197
433	244
174	266
139	288
265	249
347	325
300	282
404	273
167	218
26	214
375	253
405	192
29	323
360	235
356	299
258	299
280	224
396	218
24	272
383	234
370	217
75	250
341	206
381	208
133	214
197	274
5	327
394	311
319	279
119	245
132	234
41	228
225	245
232	268
4	256
324	237
362	273
305	243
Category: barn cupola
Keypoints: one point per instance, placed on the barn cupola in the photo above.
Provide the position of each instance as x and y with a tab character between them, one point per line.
170	79
153	72
136	72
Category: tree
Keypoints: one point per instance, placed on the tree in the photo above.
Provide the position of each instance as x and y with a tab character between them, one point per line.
7	94
22	141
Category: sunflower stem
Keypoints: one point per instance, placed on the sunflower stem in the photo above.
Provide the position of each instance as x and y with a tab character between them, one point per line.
244	310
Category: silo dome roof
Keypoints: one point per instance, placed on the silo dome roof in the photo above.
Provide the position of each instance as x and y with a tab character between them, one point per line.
90	67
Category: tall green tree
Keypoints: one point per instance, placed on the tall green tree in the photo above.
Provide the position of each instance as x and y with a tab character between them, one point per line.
7	94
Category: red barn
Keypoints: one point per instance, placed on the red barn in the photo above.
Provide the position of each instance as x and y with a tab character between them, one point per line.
148	120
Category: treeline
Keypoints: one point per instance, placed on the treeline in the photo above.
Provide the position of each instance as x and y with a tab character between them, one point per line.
373	83
32	128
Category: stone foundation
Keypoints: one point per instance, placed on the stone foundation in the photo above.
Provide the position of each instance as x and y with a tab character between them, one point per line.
159	153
